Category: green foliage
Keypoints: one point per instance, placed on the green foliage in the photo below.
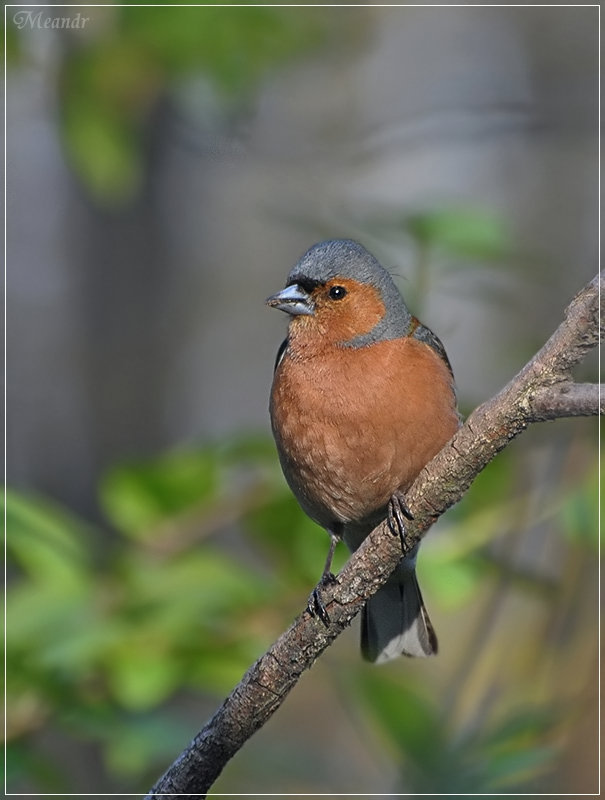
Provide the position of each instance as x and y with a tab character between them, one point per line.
100	644
134	742
108	93
236	47
579	511
411	723
111	82
454	566
136	498
452	238
47	542
105	630
298	553
12	47
22	760
518	749
505	755
470	233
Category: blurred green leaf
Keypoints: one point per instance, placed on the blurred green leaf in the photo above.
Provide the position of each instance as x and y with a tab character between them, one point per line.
221	667
580	513
434	760
467	232
111	84
25	764
137	497
56	629
140	675
452	580
514	769
103	151
249	448
182	616
296	544
198	586
406	715
235	46
492	487
452	564
135	742
517	751
108	91
97	646
48	543
12	44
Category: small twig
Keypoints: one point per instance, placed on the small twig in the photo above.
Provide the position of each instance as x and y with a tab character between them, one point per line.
543	390
570	400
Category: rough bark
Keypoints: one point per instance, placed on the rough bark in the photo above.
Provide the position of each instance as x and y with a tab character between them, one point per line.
543	390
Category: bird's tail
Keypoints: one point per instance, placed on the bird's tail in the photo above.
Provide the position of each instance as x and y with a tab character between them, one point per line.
395	621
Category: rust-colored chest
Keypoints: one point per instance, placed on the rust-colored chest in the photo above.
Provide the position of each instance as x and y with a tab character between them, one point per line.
353	425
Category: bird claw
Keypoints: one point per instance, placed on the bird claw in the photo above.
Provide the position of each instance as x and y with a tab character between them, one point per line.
397	513
315	604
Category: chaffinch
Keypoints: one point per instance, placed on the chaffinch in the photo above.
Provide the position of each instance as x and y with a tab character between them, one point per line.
363	397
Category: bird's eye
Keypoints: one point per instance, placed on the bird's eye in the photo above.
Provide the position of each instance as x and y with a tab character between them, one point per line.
337	292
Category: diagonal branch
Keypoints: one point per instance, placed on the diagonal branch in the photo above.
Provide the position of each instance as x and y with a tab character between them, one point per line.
543	390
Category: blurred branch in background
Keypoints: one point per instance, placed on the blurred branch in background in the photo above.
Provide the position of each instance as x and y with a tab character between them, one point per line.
442	483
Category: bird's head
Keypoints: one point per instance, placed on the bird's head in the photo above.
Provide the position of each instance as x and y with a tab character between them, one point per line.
339	292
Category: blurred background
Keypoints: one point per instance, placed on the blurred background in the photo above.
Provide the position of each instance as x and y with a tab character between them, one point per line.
165	169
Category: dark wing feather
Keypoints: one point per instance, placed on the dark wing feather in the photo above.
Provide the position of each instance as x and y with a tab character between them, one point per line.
280	354
426	335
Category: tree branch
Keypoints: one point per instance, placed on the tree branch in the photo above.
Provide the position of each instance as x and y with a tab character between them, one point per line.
569	399
543	390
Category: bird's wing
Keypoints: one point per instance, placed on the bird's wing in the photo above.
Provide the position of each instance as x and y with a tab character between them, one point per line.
426	335
280	353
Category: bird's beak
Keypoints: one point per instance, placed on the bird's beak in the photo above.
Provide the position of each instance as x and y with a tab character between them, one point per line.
293	299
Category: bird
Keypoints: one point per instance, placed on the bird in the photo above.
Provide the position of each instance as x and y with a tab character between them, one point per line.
363	397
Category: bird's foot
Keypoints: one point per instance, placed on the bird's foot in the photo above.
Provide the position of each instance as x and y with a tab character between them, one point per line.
315	604
397	514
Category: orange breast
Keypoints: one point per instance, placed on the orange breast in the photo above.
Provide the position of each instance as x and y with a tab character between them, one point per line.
354	425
